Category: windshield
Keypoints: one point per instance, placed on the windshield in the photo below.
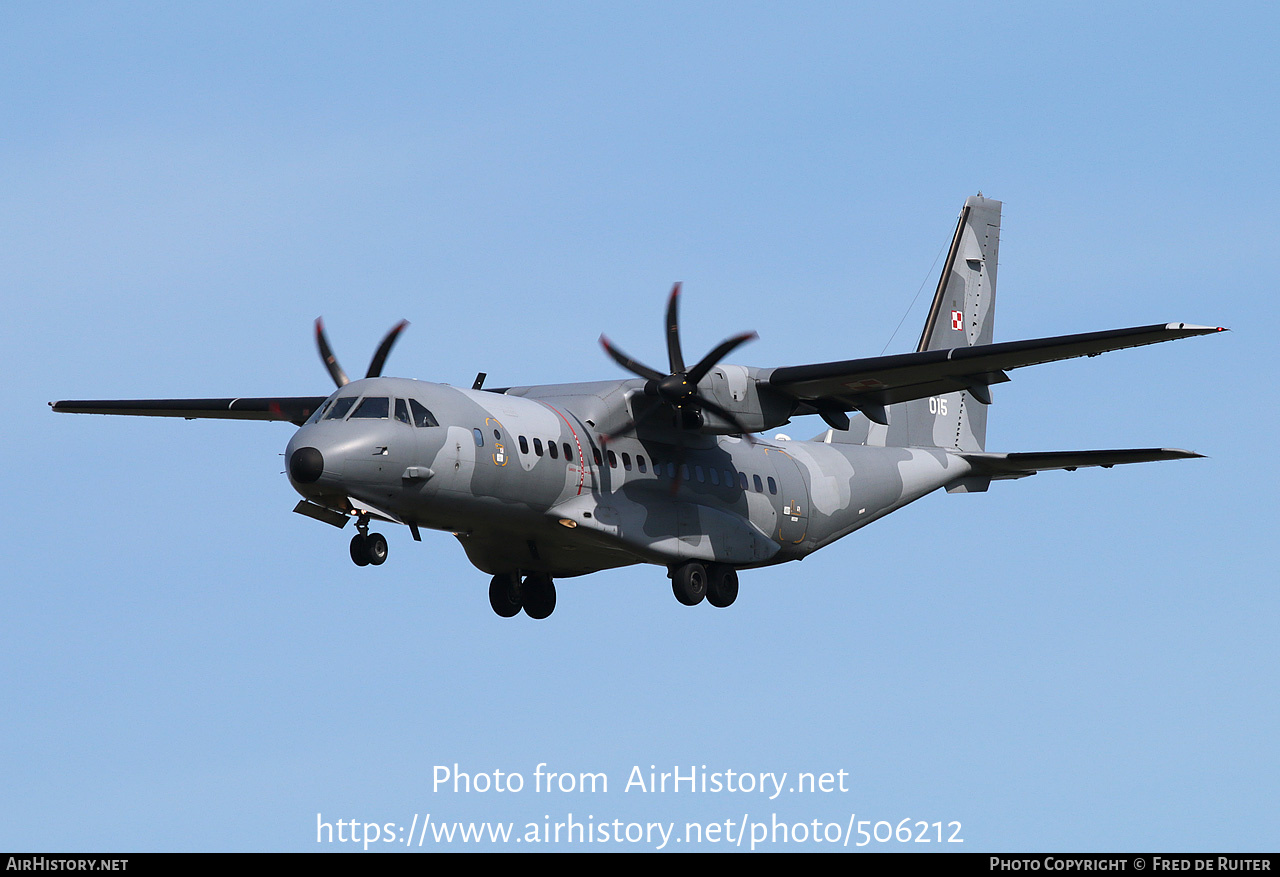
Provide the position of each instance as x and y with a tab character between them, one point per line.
373	408
340	408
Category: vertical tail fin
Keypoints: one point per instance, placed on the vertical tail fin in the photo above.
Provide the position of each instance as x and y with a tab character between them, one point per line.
962	315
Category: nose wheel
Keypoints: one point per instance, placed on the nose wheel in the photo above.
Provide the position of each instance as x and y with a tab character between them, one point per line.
369	549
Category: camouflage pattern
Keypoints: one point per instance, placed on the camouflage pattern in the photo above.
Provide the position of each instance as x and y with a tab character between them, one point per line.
569	479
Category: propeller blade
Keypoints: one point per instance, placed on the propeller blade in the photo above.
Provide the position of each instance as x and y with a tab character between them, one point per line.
674	357
380	356
326	355
724	413
678	390
631	365
699	371
631	424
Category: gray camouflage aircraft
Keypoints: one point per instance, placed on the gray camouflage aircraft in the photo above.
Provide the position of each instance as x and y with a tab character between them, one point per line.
545	482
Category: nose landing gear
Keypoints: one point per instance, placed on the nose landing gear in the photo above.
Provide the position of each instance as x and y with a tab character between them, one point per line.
368	548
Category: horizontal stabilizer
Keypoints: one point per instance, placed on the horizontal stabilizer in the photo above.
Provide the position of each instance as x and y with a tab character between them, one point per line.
294	409
1023	464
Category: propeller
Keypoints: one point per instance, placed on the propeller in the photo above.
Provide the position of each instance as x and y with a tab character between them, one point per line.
375	365
678	390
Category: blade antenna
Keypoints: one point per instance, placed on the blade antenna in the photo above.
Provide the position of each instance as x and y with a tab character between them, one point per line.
326	356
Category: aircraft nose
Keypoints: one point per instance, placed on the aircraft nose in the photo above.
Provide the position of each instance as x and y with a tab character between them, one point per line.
306	465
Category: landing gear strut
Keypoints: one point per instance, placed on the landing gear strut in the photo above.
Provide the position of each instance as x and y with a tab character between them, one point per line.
536	594
368	548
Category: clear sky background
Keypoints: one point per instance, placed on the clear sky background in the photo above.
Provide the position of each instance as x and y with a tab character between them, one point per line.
1076	661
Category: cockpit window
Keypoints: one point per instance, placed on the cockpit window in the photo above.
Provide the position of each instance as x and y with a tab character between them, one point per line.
402	411
373	408
319	412
340	408
421	416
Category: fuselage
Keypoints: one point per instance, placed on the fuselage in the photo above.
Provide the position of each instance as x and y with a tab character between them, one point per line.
527	484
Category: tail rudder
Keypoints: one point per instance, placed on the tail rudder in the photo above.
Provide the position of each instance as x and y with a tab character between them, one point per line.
962	315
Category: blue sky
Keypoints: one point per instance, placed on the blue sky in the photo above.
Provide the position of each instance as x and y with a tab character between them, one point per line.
1077	661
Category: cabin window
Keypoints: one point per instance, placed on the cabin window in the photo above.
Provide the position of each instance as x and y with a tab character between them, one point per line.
671	470
773	486
402	412
684	471
553	450
595	452
626	462
340	408
715	477
702	476
758	483
537	446
640	462
613	460
421	416
524	445
728	478
479	437
568	453
742	480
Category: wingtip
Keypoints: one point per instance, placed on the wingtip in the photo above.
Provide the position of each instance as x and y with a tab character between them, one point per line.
1195	329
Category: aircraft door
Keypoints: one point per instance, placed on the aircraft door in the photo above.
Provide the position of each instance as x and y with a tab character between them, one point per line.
792	500
582	469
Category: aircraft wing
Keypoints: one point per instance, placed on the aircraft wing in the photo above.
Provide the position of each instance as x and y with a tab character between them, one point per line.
294	409
868	384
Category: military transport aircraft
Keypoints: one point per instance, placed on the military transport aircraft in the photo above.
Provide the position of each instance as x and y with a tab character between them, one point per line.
563	480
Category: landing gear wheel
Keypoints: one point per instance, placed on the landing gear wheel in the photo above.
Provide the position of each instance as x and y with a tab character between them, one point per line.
358	553
689	583
538	594
722	585
375	548
504	594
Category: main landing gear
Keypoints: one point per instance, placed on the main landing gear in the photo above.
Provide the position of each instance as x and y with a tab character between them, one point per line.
716	582
368	548
536	594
